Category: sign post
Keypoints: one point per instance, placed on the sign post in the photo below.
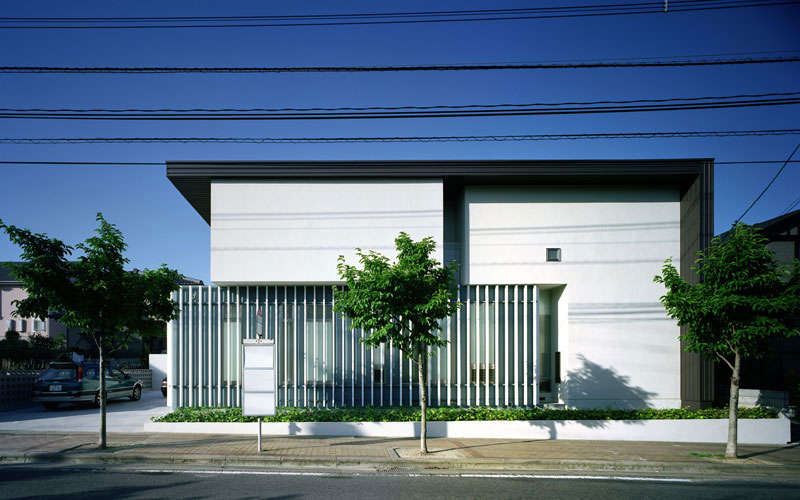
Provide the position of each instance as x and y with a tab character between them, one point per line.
260	390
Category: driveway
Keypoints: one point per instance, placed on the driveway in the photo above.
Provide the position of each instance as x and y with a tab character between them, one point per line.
123	415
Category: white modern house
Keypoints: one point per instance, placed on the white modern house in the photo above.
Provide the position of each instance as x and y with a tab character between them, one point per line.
556	258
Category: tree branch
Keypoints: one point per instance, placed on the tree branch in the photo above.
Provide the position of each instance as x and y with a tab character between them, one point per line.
720	356
121	342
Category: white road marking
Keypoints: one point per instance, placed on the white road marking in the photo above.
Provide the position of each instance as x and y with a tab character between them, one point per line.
482	476
617	478
234	472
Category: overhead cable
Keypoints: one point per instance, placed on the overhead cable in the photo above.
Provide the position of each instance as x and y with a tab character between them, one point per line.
217	115
431	111
792	204
395	108
385	69
161	164
402	108
768	185
331	140
377	18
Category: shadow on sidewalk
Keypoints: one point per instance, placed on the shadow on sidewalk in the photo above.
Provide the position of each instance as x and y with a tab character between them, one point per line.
366	442
461	446
177	444
768	452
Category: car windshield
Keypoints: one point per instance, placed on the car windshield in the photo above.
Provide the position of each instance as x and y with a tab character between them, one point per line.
55	373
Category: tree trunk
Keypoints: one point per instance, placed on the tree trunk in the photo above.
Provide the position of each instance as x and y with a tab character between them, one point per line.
102	396
423	401
733	415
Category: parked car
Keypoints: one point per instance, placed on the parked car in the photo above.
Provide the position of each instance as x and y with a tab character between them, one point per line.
72	382
164	387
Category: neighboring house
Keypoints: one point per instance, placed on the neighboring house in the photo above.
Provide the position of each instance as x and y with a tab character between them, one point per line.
780	369
11	290
159	345
557	260
783	233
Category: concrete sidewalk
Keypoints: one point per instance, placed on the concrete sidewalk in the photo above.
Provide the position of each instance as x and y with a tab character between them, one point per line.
391	454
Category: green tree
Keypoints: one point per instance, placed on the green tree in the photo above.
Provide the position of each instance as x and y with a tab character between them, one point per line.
743	299
94	293
402	303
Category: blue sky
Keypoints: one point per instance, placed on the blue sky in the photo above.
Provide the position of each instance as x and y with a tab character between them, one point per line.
161	227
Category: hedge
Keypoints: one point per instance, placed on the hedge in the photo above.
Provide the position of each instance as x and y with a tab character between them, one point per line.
411	414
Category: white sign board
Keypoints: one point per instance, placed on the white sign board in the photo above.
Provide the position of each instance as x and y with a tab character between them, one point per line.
259	379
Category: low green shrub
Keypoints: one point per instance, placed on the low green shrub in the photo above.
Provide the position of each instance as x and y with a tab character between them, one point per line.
411	414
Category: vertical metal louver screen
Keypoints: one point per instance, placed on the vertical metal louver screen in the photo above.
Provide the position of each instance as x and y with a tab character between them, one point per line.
490	358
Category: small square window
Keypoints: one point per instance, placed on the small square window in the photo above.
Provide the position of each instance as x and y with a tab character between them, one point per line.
553	255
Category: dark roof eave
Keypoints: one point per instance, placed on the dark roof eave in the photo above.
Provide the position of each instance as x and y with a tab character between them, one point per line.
193	179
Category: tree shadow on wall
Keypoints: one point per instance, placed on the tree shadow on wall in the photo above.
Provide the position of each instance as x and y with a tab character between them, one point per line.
593	380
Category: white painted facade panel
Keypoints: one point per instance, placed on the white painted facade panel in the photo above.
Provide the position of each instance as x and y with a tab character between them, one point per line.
283	232
618	347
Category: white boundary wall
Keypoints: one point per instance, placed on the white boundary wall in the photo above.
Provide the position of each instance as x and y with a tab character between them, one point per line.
751	431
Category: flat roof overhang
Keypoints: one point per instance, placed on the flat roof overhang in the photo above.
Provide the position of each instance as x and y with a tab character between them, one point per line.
193	179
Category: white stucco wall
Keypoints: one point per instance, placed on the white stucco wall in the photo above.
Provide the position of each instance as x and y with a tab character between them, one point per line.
618	347
282	232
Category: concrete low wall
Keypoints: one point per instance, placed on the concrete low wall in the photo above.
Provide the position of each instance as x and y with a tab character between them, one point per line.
16	386
751	431
159	365
143	374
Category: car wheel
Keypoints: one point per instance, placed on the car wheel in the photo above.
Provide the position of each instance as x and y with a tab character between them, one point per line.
137	393
96	402
50	406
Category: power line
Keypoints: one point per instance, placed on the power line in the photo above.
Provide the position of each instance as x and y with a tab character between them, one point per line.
161	164
395	108
332	140
791	205
384	69
753	162
342	115
575	11
136	163
478	12
538	108
768	185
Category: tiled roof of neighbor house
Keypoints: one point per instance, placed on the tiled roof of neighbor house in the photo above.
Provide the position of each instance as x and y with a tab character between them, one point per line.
5	274
185	280
774	226
780	223
182	280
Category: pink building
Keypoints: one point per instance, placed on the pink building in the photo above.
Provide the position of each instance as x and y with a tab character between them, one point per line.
11	290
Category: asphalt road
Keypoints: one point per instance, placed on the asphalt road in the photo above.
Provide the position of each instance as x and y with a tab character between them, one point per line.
44	482
123	415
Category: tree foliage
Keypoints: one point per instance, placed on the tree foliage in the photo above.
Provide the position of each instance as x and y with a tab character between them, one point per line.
743	299
402	302
93	293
